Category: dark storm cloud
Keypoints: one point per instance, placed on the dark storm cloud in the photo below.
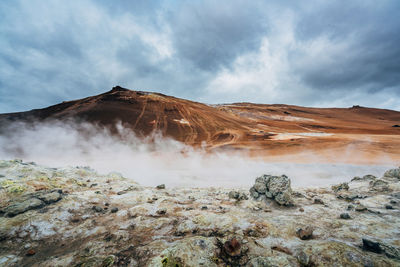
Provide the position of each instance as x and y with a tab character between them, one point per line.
210	35
370	35
280	51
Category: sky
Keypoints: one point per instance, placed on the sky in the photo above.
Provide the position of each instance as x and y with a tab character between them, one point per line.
309	53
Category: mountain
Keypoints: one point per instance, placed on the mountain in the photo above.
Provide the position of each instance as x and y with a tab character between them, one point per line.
262	129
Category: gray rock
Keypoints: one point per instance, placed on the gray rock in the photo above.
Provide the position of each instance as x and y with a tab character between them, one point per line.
345	216
114	210
279	188
97	209
379	185
349	197
379	247
369	177
3	235
269	194
234	194
284	198
304	234
49	198
396	195
393	173
261	184
237	195
304	259
318	201
339	187
364	178
21	207
356	178
161	186
253	193
161	211
360	208
388	207
391	252
273	187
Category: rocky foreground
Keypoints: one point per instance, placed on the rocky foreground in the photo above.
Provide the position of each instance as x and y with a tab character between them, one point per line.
77	217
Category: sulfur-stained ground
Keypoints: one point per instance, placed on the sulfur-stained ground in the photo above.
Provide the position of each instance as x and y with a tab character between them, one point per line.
74	216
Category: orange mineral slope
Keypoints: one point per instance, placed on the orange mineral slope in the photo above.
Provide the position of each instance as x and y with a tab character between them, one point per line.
348	135
274	132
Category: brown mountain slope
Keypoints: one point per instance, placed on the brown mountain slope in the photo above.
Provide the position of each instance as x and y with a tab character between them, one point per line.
145	112
355	134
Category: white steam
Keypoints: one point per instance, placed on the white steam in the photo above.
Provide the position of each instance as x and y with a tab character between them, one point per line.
155	160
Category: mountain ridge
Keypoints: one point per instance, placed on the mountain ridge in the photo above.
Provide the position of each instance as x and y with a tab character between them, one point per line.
260	128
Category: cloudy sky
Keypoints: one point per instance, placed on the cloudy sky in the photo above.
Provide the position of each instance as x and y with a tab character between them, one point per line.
313	53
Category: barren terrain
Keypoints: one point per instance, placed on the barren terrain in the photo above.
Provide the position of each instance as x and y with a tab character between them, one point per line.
75	216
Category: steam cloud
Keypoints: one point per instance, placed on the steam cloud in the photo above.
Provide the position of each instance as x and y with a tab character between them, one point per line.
156	159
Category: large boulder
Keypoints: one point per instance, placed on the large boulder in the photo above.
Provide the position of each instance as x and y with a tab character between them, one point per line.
273	187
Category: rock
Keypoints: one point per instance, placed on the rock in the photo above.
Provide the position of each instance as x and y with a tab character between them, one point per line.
234	194
237	195
277	188
393	173
30	252
360	208
304	259
260	185
161	186
350	207
21	207
301	210
121	193
282	249
232	247
114	210
378	247
345	216
318	201
49	198
364	178
204	208
396	195
388	207
342	186
161	211
284	198
369	177
379	185
3	235
305	234
349	197
75	219
393	202
253	193
97	209
371	245
391	251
